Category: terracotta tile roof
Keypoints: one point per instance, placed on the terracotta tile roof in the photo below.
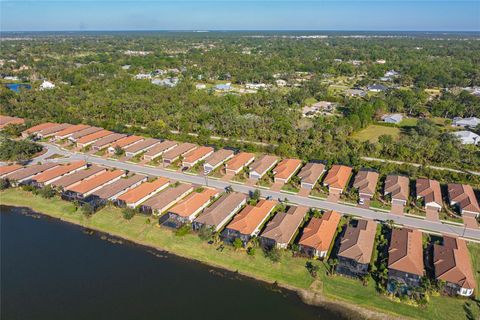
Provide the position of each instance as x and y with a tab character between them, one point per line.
142	145
405	253
464	195
76	177
262	164
284	225
39	127
251	217
126	141
161	148
429	190
7	120
84	132
311	172
178	151
452	262
366	182
221	209
94	136
240	160
118	186
58	171
218	157
166	197
136	194
71	130
4	170
397	186
54	129
358	241
193	202
319	232
91	183
105	141
30	171
197	154
286	168
337	177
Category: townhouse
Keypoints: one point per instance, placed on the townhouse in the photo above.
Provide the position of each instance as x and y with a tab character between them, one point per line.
405	258
366	183
238	162
7	120
310	174
24	175
140	147
198	154
73	137
220	212
146	190
463	197
180	150
5	170
186	210
159	203
261	166
51	131
33	131
248	222
216	160
67	132
398	188
77	177
159	149
81	190
281	230
124	143
89	139
356	248
337	178
47	177
317	237
431	193
105	142
286	169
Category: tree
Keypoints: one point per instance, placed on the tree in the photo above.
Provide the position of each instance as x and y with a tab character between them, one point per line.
312	268
4	184
237	243
119	151
128	213
205	233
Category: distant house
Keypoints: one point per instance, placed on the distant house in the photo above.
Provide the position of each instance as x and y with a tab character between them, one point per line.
318	235
310	174
159	149
200	86
405	257
356	248
6	120
124	143
25	174
220	212
193	157
82	133
47	177
141	193
281	230
322	106
167	82
67	132
33	131
355	93
261	166
398	188
92	138
51	131
337	178
255	86
452	264
377	88
105	142
186	210
180	150
46	85
238	162
223	87
463	197
143	76
431	193
366	183
86	187
248	222
471	122
216	159
141	146
467	137
77	177
281	83
395	118
4	170
159	203
286	169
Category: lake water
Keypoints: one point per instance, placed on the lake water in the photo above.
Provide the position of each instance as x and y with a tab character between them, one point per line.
18	86
54	270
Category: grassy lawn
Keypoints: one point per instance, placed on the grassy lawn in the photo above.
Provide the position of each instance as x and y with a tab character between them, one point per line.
290	271
373	132
310	101
379	205
408	122
290	187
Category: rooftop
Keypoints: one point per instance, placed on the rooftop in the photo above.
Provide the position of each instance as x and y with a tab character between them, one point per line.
85	132
397	186
193	202
337	177
118	186
96	181
163	199
311	172
406	251
284	225
358	241
142	145
464	196
179	150
94	136
30	171
58	171
197	154
71	130
161	147
429	190
319	232
251	217
126	141
77	176
239	160
286	168
366	181
136	194
218	157
221	209
263	163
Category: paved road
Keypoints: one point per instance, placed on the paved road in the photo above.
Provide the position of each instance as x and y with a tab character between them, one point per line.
436	227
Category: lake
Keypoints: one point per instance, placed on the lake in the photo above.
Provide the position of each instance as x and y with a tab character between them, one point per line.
55	270
17	87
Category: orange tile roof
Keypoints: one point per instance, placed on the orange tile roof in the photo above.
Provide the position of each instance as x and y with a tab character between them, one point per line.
430	190
358	241
72	129
9	169
193	202
464	196
58	171
337	177
136	194
286	168
239	160
197	154
40	127
127	141
251	217
406	251
319	232
6	120
92	183
94	136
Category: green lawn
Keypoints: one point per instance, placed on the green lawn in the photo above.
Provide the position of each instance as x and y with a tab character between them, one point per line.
408	122
289	271
373	132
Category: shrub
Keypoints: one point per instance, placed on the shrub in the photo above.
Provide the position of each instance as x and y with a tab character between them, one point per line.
251	251
183	230
273	254
47	192
87	210
128	213
237	243
205	233
4	184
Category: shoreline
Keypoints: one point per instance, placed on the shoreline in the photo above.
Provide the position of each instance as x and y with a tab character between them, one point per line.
307	296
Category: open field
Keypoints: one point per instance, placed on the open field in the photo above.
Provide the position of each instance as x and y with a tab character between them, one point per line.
373	132
289	271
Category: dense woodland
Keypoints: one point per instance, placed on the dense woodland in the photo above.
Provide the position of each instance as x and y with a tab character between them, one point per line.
93	88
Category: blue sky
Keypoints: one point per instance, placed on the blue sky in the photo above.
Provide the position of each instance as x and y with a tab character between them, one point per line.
434	15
